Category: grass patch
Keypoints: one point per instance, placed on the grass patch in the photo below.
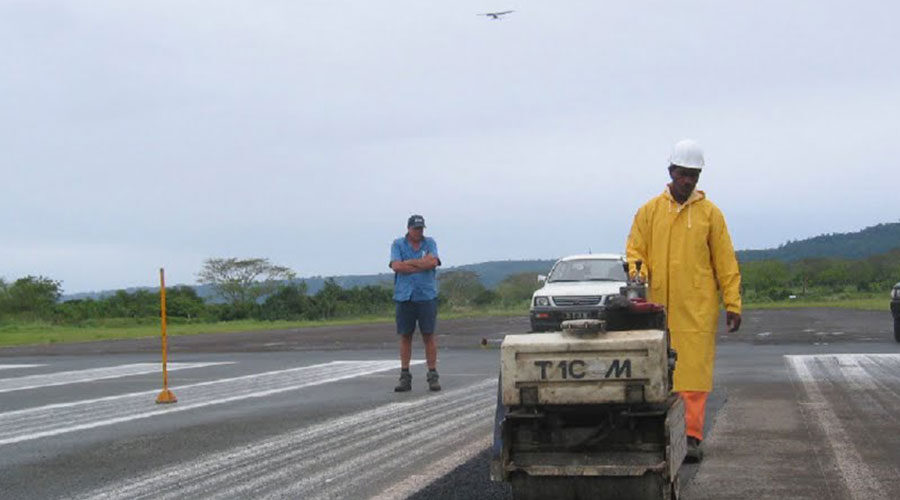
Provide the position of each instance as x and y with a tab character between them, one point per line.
37	333
44	333
867	301
865	304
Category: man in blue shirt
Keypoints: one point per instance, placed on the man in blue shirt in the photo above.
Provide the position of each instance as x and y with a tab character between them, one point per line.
414	259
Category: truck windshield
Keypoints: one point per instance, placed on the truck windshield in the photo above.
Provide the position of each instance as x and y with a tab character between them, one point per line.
588	270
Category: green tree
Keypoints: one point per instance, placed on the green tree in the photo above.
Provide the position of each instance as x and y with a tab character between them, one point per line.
4	296
835	276
36	295
486	298
766	278
325	302
289	302
806	273
139	304
459	288
372	299
242	282
517	288
76	311
183	301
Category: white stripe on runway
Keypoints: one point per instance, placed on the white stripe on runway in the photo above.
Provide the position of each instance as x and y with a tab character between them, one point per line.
859	480
435	471
338	458
92	374
61	418
10	367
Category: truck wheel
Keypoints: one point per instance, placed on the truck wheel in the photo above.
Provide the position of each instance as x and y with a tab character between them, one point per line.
897	329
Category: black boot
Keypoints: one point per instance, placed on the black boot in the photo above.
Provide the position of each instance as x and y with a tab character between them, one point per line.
694	450
432	379
405	383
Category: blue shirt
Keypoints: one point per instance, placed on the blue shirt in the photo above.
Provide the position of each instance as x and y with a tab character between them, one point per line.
416	286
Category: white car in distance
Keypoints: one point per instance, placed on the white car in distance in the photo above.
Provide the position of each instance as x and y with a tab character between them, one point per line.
577	287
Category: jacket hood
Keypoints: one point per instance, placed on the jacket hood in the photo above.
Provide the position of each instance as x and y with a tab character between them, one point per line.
674	206
696	195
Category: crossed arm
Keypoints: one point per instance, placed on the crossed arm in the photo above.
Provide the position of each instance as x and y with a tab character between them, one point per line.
426	263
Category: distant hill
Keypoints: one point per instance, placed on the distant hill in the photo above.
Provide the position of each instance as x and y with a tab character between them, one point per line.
491	274
870	241
873	240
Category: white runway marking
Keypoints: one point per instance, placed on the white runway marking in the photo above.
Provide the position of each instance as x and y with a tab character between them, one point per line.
10	367
818	371
870	388
90	375
61	418
434	471
338	458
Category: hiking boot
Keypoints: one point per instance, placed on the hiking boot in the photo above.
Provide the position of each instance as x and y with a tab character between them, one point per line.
405	383
694	451
432	378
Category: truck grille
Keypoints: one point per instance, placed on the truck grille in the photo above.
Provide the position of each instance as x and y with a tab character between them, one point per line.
577	300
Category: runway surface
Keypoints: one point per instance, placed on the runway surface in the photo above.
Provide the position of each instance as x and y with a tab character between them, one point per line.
806	405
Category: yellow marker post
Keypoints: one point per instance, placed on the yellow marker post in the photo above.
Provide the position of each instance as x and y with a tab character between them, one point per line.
166	395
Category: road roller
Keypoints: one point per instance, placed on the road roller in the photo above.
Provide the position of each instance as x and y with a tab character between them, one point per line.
588	411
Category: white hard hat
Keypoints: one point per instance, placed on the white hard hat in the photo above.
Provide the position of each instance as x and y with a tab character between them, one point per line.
687	154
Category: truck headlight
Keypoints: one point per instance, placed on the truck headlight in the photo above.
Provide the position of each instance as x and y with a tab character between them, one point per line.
542	301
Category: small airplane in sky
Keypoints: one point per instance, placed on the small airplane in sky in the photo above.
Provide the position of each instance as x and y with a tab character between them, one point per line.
496	15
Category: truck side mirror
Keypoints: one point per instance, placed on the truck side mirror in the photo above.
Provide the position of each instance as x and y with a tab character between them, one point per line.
541	278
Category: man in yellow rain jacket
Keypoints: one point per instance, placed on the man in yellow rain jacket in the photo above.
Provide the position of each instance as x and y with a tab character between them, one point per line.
687	255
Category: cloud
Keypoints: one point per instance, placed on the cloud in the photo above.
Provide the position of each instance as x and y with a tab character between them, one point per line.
162	133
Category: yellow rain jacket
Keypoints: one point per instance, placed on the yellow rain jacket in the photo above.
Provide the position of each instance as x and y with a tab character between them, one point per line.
687	257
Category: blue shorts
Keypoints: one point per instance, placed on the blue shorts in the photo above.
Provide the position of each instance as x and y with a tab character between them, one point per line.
411	311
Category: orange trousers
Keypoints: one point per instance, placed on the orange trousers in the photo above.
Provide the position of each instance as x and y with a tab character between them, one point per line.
694	412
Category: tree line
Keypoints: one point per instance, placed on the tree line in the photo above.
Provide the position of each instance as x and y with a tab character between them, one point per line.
246	289
257	289
772	280
35	299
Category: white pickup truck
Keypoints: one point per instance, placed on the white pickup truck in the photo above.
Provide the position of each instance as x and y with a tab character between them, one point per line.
576	288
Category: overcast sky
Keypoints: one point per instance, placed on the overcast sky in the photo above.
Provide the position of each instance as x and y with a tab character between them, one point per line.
141	134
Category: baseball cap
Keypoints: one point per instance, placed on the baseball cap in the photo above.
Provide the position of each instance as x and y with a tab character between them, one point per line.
415	221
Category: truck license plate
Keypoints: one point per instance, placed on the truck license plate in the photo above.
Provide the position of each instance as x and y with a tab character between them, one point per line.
577	315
